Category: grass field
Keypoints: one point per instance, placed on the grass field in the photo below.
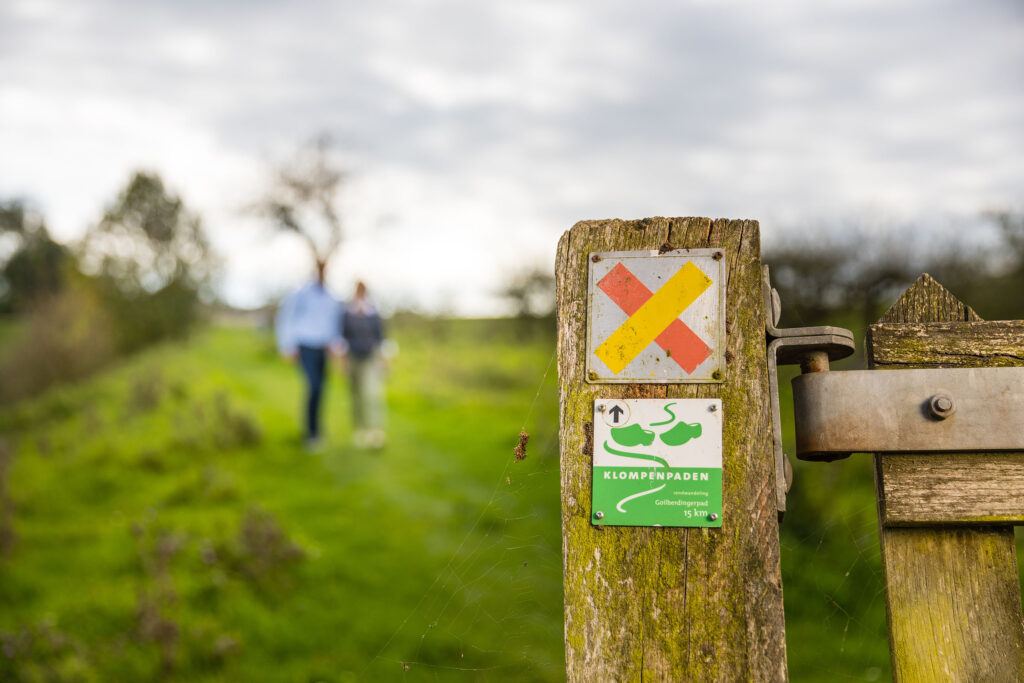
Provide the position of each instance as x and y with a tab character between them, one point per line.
161	521
167	523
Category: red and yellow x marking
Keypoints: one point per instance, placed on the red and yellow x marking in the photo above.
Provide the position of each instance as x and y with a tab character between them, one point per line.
654	317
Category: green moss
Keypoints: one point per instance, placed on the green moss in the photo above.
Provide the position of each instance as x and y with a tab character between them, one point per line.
682	594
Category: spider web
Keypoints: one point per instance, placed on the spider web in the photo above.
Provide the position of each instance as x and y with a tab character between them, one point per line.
494	609
832	578
481	618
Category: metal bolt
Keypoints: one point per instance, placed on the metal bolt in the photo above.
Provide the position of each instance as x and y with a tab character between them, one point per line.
595	258
713	517
716	375
814	361
591	375
712	408
717	256
599	514
941	406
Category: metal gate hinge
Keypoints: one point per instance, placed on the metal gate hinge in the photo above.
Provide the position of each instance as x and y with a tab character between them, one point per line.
935	410
810	347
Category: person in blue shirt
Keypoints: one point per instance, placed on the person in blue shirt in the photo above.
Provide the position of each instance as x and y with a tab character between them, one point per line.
309	324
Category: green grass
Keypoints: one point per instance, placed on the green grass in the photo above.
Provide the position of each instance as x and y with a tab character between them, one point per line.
167	522
831	566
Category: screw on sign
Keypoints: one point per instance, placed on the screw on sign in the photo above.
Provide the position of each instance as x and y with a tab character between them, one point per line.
656	317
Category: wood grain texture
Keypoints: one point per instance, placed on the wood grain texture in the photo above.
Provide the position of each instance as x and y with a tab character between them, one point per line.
952	344
952	594
958	488
670	603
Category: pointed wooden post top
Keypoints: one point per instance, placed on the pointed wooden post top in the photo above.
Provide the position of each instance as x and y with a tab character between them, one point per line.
928	301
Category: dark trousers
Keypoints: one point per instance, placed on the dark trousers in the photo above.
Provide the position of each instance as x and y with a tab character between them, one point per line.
313	362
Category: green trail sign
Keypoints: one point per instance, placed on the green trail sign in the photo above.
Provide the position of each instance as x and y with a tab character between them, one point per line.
657	462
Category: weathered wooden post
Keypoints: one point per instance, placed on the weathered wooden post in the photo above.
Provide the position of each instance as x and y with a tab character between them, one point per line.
693	591
945	422
952	592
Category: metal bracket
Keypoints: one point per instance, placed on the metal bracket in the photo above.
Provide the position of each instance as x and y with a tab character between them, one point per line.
810	347
908	411
938	410
930	411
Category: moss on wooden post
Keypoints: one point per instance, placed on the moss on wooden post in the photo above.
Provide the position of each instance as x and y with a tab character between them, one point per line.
673	603
952	593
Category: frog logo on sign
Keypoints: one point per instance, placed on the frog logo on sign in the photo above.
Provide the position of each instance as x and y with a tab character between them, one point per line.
656	317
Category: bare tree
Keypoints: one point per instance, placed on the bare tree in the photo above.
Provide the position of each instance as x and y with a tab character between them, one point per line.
303	198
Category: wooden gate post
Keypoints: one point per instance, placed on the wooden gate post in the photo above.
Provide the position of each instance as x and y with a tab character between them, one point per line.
952	592
680	604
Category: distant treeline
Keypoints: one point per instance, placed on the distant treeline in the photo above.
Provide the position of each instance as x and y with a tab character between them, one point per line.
141	273
854	270
135	278
832	272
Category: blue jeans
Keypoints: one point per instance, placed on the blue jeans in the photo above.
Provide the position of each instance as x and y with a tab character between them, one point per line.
313	361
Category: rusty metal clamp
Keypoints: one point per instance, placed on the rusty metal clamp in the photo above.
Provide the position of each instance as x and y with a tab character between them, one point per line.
810	347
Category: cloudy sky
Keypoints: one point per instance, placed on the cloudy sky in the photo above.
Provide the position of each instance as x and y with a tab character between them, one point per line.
477	132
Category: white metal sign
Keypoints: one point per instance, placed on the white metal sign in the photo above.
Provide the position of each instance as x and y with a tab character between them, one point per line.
656	317
657	462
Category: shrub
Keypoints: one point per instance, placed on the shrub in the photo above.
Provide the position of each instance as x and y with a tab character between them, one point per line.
264	553
68	337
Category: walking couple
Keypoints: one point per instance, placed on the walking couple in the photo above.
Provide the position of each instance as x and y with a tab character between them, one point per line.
310	324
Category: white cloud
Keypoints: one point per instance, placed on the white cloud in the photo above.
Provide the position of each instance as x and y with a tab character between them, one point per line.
479	132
